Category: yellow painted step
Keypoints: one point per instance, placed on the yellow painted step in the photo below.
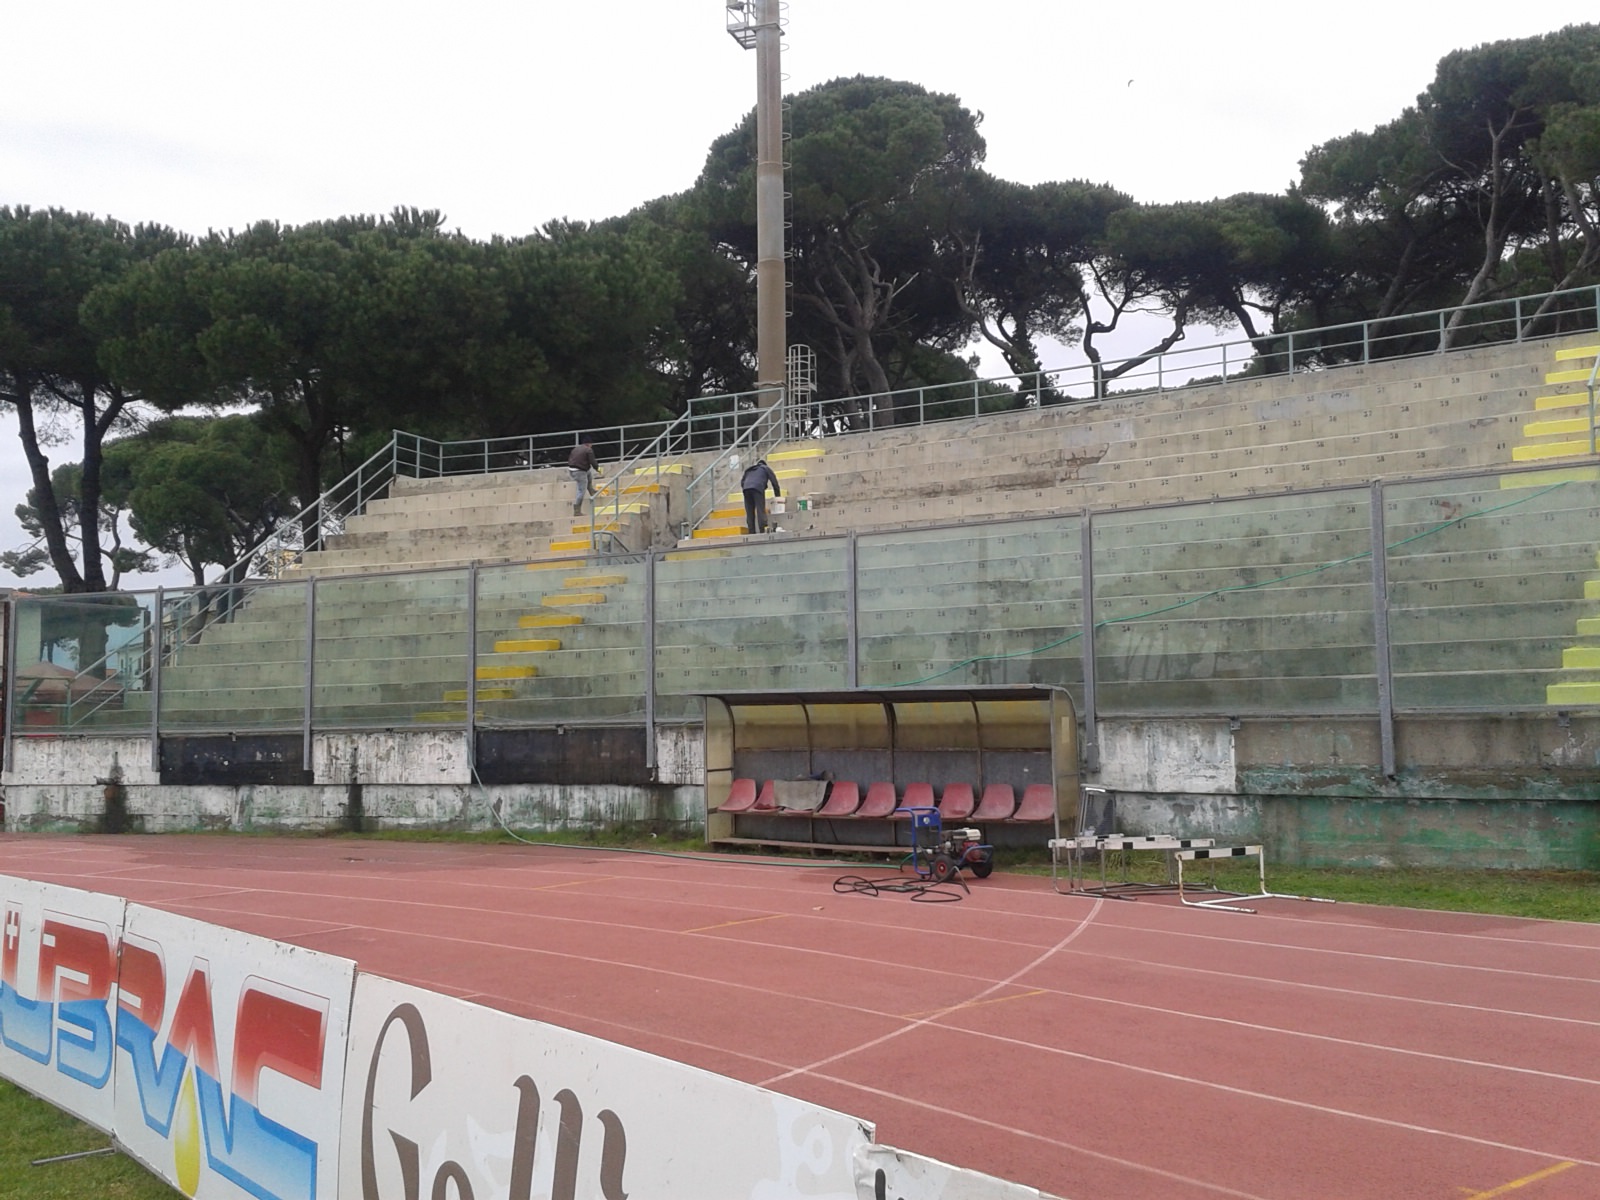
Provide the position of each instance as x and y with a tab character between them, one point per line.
1572	352
642	489
547	620
1589	626
458	714
719	532
1573	693
625	508
1581	658
1549	478
593	581
459	695
1591	589
525	646
570	544
795	455
583	527
1567	377
723	513
507	672
573	599
1546	450
1561	400
1550	428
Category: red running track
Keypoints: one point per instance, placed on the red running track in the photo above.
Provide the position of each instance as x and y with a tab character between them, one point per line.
1094	1049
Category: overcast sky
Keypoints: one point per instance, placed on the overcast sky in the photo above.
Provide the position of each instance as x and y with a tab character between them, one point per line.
212	114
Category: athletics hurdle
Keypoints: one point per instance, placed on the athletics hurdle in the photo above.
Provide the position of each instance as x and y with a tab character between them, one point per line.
1124	846
1223	903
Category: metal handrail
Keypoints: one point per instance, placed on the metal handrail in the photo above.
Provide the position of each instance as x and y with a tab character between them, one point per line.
765	430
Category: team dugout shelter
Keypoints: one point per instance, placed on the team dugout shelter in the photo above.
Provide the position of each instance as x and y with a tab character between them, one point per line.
837	769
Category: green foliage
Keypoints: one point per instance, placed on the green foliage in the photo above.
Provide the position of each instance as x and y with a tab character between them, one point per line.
1486	187
205	490
51	263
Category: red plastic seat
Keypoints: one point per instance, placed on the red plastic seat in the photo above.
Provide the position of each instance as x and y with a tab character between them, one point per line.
879	802
998	803
956	802
740	796
1038	803
767	801
918	795
842	801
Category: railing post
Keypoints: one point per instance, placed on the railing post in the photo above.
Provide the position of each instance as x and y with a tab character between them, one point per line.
1384	668
650	662
1516	315
155	682
1091	723
1291	352
1366	342
472	669
311	671
852	609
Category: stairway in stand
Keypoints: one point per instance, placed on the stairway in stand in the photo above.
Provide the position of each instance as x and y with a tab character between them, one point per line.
790	466
1568	432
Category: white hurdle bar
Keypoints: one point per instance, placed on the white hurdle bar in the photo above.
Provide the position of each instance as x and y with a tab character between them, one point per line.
1225	903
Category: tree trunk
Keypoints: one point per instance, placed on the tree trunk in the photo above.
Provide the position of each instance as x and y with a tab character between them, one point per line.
55	536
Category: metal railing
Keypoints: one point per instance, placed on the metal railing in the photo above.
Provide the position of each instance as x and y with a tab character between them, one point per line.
720	478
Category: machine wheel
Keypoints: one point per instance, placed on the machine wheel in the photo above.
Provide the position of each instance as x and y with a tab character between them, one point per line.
982	869
944	867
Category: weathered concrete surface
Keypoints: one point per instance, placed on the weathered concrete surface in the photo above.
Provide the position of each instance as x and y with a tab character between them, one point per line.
1469	790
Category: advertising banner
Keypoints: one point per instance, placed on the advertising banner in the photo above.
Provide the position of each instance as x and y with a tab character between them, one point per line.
884	1173
58	967
230	1059
449	1099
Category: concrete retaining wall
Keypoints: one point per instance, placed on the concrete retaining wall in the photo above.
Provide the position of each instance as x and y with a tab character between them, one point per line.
1481	791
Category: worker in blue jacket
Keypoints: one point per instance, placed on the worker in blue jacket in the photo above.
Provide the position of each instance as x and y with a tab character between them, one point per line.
757	478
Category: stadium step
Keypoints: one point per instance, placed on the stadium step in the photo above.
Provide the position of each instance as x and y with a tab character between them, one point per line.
525	646
1562	694
547	620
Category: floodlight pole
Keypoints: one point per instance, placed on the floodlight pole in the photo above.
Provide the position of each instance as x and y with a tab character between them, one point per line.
755	24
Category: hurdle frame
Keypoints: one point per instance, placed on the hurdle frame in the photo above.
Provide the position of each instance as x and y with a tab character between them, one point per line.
1227	901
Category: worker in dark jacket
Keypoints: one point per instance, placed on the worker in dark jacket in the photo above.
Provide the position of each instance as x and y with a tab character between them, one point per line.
581	465
757	478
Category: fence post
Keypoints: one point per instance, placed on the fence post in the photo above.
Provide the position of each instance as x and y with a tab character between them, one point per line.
311	671
155	683
852	609
1383	667
1091	732
1291	352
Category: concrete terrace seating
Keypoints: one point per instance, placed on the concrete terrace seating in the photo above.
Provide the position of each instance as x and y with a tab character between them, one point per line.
1246	436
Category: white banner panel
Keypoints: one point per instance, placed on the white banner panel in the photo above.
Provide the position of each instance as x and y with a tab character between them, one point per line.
453	1100
230	1059
58	967
884	1173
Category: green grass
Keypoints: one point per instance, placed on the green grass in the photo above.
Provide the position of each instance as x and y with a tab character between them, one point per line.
1549	895
31	1129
